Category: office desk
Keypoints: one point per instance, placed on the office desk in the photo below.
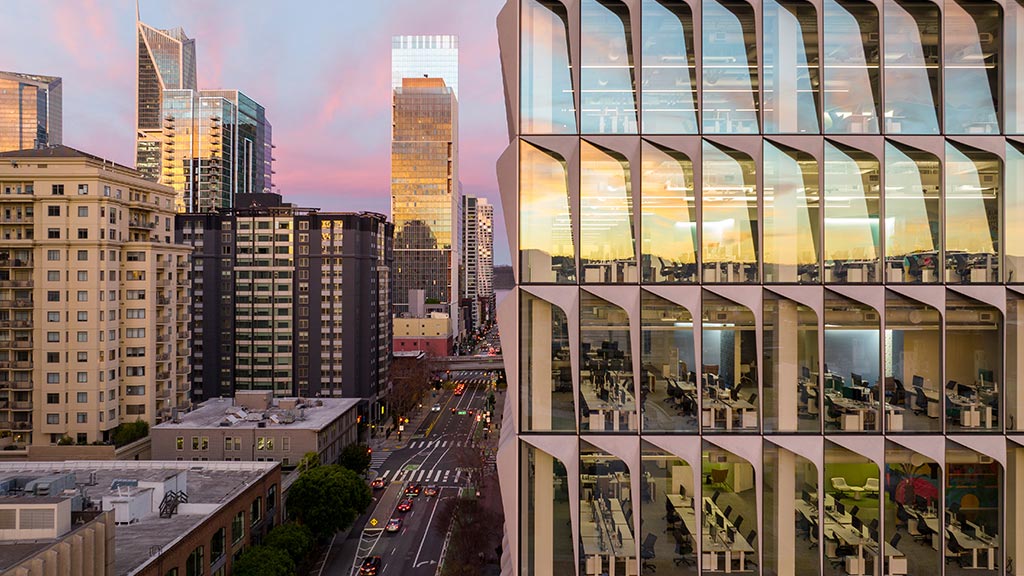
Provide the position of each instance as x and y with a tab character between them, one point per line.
990	544
599	407
606	535
855	412
712	547
973	413
712	407
929	520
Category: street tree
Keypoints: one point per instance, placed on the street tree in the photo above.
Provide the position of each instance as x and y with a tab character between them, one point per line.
309	461
327	499
355	457
294	539
472	533
263	561
410	380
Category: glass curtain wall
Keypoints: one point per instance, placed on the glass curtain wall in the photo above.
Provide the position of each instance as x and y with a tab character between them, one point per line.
669	518
545	385
729	211
912	181
974	363
851	62
913	503
729	366
607	248
669	75
668	386
607	544
546	252
973	513
973	191
792	393
607	84
790	67
912	45
972	37
791	215
852	199
852	365
606	367
913	365
545	543
546	88
790	513
1013	207
668	216
1014	387
729	61
728	512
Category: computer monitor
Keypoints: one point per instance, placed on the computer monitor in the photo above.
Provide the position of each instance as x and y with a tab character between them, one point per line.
849	393
682	491
734	393
730	534
951	385
806	497
873	534
921	502
961	519
805	372
721	521
707	509
918	381
856	379
840	509
986	376
970	529
858	525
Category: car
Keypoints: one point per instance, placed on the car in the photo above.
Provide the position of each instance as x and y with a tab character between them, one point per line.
394	525
430	491
404	506
470	411
370	566
413	490
378	483
459	391
435	408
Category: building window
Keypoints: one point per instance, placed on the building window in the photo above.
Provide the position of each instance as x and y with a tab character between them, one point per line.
194	566
82	418
53	418
53	210
82	397
179	443
83	211
83	316
238	527
53	275
217	545
53	398
272	497
57	190
53	377
83	233
53	233
256	511
53	256
83	295
83	255
52	357
53	316
135	313
83	189
53	296
83	356
53	336
83	377
83	276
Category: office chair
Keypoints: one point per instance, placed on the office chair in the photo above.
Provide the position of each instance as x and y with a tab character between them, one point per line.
728	511
924	533
647	552
871	486
854	510
954	551
902	518
803	526
920	401
832	414
684	549
714	497
895	540
751	559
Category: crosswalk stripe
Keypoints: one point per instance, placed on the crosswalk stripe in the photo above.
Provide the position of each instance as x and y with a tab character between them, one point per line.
446	473
420	477
457	474
437	476
443	444
385	474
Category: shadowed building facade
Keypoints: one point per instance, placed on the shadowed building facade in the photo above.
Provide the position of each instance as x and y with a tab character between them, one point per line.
768	304
31	111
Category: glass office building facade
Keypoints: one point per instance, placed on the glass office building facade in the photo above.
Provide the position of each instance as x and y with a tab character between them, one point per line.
31	111
769	302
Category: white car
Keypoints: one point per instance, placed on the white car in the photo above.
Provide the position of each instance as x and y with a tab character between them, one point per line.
435	408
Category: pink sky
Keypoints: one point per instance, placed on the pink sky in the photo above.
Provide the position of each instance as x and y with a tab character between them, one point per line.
321	69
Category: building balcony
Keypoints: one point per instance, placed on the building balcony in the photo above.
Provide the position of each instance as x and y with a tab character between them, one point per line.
16	263
18	385
163	375
22	365
163	357
163	300
21	405
17	220
18	344
21	303
163	319
23	424
16	284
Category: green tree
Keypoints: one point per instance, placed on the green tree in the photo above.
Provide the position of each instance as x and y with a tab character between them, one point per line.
128	432
263	561
294	539
309	461
355	457
327	499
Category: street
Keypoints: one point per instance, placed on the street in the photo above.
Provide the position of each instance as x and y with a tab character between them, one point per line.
430	458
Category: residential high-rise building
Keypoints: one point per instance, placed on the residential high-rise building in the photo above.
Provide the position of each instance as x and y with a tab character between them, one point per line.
94	293
477	268
31	111
425	201
289	300
769	305
166	61
434	56
485	258
216	147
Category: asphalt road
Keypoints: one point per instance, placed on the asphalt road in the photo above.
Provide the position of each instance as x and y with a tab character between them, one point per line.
429	457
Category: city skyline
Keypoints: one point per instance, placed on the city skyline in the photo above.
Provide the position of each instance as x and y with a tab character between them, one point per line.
332	142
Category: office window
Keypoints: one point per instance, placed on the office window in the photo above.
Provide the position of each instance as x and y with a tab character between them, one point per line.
607	249
729	190
791	215
911	67
667	347
218	545
790	66
238	527
256	510
729	63
546	250
195	564
607	85
546	92
669	76
605	355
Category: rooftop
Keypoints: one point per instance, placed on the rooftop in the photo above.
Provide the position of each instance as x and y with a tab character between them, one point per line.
30	77
211	483
290	413
58	152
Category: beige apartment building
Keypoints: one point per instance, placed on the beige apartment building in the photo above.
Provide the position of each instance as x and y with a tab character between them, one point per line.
93	299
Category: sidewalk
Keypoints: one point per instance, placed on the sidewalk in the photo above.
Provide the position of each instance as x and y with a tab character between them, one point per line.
391	443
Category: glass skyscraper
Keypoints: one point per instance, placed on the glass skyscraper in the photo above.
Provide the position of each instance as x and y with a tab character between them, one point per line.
425	56
31	111
425	204
769	306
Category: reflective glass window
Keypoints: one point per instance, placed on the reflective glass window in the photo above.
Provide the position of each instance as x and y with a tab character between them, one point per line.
545	227
729	211
792	394
972	37
791	224
1014	388
912	180
790	66
1013	68
851	361
729	62
607	544
546	90
913	365
668	389
545	543
545	385
728	366
607	85
974	511
974	363
790	512
973	182
851	215
669	496
912	45
606	367
851	512
668	208
669	68
1014	212
607	249
913	504
728	507
851	60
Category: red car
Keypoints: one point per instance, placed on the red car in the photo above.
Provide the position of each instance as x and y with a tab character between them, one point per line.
370	566
378	483
430	491
394	525
404	506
